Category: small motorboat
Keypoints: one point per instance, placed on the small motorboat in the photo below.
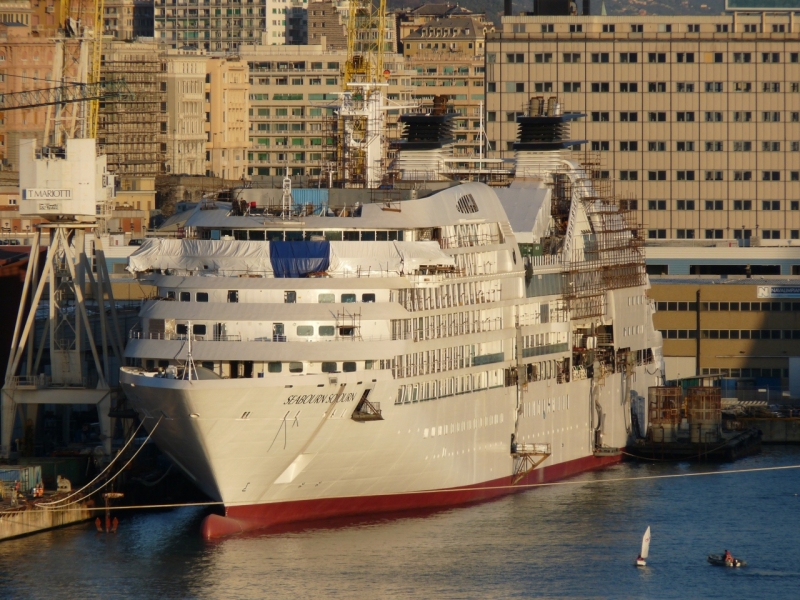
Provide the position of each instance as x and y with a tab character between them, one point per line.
719	560
640	560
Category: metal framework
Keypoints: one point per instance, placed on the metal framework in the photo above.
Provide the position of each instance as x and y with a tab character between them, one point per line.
74	92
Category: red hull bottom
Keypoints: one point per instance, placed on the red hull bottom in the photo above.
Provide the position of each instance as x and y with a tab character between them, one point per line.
239	519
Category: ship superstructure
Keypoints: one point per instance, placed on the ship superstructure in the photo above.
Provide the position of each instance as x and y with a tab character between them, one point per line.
375	351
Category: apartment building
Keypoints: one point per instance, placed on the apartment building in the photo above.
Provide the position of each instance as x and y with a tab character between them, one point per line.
294	91
219	26
698	118
128	19
325	20
227	120
185	79
447	56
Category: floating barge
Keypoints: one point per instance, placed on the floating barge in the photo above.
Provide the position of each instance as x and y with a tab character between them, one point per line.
689	427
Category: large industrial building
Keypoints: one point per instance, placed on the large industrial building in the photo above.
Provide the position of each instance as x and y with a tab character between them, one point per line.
696	118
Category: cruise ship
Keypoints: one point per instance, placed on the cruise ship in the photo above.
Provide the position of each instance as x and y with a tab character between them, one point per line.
320	353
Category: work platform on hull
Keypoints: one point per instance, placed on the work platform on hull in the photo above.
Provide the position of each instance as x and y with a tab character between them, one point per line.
526	458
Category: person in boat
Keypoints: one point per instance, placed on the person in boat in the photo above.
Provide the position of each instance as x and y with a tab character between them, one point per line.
728	556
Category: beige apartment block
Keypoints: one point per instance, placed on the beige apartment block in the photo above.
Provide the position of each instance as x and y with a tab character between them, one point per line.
447	56
698	118
185	78
294	91
227	120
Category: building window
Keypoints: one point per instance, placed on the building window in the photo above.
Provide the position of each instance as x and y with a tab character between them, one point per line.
656	176
713	234
657	234
573	87
742	57
713	117
743	234
771	234
600	146
516	58
742	86
609	28
770	57
684	146
656	146
683	87
722	28
657	86
742	175
770	205
629	87
770	146
779	28
685	204
545	57
656	116
576	28
629	175
714	205
742	146
684	175
693	28
713	146
628	57
685	234
742	117
714	87
656	57
714	175
770	175
751	28
631	146
600	57
771	86
684	117
685	57
628	117
656	205
794	175
600	87
600	116
547	28
637	28
572	57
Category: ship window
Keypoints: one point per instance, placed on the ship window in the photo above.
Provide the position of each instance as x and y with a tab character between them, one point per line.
201	297
233	295
289	297
274	367
182	329
346	331
329	367
295	367
348	298
207	364
171	295
186	296
466	204
326	330
381	236
368	297
367	236
326	298
199	329
305	330
368	364
348	367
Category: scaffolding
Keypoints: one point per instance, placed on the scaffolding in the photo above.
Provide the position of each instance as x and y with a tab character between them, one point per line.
132	129
607	253
704	411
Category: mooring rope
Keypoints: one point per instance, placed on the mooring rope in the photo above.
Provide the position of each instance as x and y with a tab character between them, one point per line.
47	505
60	500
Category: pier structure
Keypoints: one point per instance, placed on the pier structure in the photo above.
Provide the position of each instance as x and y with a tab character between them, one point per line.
63	351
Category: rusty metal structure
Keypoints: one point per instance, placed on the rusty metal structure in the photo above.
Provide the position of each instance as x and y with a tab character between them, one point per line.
664	411
704	412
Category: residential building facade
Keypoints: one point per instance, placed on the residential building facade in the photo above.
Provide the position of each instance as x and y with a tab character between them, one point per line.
185	78
128	19
222	26
447	56
294	91
697	118
227	120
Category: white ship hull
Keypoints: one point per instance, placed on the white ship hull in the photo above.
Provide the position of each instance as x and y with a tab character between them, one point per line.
298	454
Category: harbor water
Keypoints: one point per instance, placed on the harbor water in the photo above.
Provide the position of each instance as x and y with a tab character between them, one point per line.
577	540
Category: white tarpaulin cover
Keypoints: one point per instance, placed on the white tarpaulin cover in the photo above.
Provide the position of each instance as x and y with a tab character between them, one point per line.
385	258
226	256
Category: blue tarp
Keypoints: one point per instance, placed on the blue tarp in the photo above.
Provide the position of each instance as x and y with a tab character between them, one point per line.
298	259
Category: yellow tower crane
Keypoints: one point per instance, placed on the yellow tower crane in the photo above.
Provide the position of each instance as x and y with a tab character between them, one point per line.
361	114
